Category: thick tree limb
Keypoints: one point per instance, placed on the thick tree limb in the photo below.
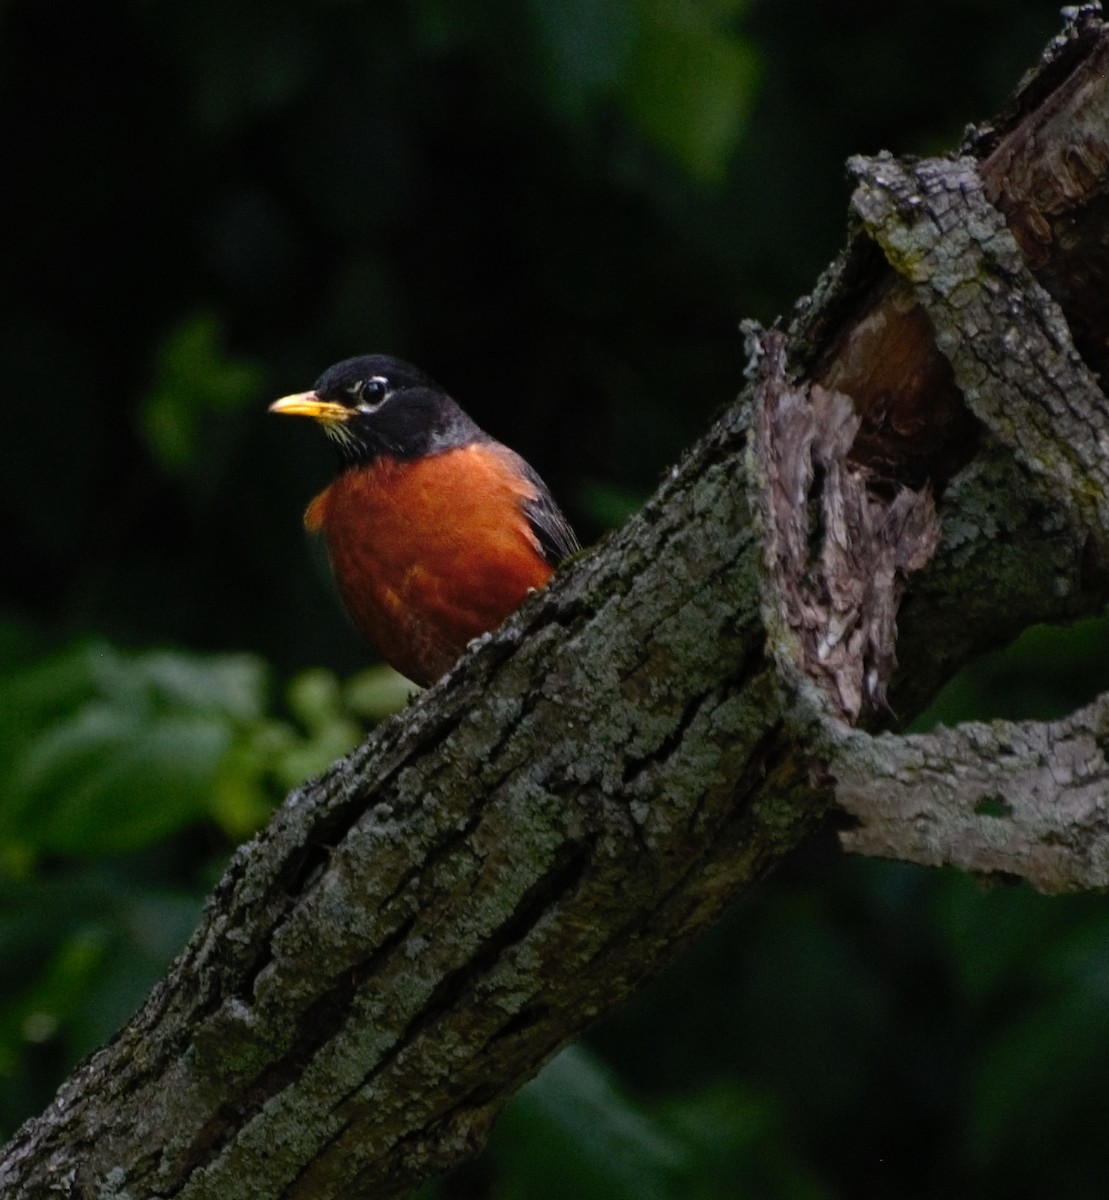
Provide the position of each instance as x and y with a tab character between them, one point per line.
416	932
421	928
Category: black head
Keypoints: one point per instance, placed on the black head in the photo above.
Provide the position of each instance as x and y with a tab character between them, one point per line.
375	406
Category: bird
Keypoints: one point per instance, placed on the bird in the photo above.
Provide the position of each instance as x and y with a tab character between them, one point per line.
435	530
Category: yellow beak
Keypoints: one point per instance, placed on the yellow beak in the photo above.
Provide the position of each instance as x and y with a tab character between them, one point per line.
308	404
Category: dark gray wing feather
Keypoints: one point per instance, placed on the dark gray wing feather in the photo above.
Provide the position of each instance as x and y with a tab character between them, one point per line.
557	540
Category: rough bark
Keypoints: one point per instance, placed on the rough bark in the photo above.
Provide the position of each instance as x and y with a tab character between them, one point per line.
418	930
1022	799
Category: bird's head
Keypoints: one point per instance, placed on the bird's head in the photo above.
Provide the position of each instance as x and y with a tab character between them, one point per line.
375	405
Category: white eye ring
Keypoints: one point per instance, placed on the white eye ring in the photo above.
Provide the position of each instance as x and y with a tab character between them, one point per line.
371	392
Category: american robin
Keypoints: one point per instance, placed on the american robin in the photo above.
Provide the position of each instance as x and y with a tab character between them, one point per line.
434	529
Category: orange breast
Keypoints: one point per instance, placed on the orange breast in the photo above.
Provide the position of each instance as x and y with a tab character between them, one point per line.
432	553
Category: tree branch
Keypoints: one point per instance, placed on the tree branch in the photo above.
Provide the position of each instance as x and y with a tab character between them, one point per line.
1015	798
418	930
1006	339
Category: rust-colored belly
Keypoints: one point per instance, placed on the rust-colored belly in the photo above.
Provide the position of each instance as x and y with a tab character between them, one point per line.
430	554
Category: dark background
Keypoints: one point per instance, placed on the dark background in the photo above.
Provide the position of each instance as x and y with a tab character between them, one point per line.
561	211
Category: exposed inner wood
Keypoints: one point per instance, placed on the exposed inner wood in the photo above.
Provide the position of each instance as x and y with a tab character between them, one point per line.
1051	187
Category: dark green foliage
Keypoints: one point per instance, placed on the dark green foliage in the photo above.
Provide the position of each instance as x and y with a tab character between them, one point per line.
125	778
561	211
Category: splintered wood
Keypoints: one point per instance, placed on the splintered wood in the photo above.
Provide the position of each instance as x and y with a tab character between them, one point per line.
840	545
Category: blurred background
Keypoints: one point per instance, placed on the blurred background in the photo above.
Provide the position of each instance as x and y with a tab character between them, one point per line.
561	209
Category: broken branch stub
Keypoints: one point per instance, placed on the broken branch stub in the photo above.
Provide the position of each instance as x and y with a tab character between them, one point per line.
1006	339
1023	799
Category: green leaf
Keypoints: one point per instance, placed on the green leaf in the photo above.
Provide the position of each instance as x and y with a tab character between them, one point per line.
680	71
738	1145
195	381
111	779
573	1132
32	696
378	692
690	85
1046	673
104	752
316	700
1058	1051
230	685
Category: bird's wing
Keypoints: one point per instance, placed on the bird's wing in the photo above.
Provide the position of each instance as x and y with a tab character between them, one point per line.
557	540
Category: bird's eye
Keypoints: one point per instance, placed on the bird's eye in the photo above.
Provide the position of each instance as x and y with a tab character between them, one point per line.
372	391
